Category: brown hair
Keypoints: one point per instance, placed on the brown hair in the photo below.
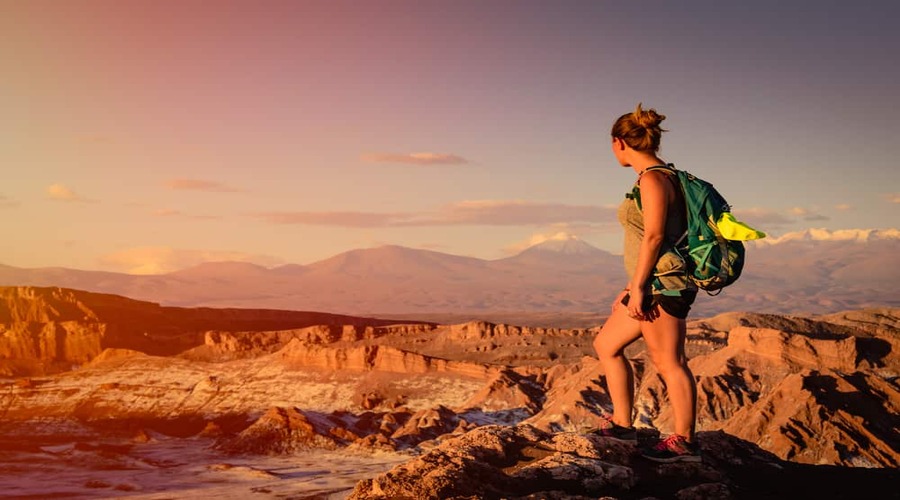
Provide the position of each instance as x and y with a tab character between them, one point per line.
640	129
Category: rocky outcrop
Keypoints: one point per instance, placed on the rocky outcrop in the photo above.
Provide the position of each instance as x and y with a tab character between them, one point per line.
375	357
289	430
480	330
509	390
285	430
522	462
49	346
50	330
575	398
223	345
836	352
823	417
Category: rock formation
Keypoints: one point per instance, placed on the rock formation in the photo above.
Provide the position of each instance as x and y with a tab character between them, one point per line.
522	462
51	330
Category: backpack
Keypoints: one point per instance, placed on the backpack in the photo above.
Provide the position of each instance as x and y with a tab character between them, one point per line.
714	260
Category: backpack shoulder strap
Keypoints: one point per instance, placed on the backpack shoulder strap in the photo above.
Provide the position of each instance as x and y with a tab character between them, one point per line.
671	173
668	168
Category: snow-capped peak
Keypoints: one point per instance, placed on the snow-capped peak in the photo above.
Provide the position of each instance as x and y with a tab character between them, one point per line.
564	243
820	234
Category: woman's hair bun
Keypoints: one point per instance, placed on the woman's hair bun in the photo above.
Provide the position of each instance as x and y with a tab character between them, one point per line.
649	118
640	129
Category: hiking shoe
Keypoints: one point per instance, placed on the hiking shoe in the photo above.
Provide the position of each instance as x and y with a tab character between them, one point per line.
610	429
674	448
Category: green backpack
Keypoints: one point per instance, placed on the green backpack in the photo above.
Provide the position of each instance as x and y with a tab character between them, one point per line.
711	246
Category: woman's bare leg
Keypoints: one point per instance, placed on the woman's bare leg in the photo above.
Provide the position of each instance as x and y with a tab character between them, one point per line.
618	331
665	337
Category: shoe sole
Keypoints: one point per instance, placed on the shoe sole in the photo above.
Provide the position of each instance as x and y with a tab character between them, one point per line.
614	438
619	440
680	458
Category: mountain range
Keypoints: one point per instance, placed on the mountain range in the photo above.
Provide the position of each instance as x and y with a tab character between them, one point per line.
815	271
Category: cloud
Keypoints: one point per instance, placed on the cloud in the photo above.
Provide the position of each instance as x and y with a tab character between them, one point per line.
167	212
482	212
762	216
518	213
416	158
160	260
892	197
339	219
537	239
7	202
60	192
807	214
200	185
843	207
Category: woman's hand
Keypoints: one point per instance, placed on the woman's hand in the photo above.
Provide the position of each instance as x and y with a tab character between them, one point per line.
637	312
619	298
635	300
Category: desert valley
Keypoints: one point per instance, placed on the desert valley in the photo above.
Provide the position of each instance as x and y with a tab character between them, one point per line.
107	396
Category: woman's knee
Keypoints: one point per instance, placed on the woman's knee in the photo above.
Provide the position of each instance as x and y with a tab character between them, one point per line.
668	366
605	350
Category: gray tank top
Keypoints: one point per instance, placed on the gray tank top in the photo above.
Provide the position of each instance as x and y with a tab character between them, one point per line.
670	267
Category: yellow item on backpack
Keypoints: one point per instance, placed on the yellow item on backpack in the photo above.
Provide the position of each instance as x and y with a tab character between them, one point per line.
733	229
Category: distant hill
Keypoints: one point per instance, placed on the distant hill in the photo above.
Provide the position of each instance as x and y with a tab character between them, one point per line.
816	271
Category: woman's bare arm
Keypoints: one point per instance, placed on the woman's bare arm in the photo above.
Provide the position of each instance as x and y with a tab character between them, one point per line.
654	203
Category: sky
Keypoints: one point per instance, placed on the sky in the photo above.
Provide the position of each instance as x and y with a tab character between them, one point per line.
148	136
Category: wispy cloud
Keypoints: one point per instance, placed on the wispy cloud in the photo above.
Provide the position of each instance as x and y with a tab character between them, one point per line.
339	219
762	216
517	213
160	260
843	207
201	185
60	192
767	218
7	202
167	212
416	158
808	214
893	197
483	212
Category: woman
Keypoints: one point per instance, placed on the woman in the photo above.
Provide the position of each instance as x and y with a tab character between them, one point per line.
656	301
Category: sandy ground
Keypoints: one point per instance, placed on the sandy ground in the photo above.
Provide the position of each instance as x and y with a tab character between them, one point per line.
168	468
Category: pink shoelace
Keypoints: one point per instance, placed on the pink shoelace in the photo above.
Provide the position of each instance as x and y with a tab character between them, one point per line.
672	442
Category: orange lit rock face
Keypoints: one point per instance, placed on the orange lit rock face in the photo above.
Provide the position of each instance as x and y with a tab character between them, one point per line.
811	390
49	330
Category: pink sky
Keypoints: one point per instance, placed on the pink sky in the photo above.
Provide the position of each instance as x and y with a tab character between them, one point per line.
146	136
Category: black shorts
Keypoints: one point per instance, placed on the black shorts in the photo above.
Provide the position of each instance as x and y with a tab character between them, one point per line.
676	305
